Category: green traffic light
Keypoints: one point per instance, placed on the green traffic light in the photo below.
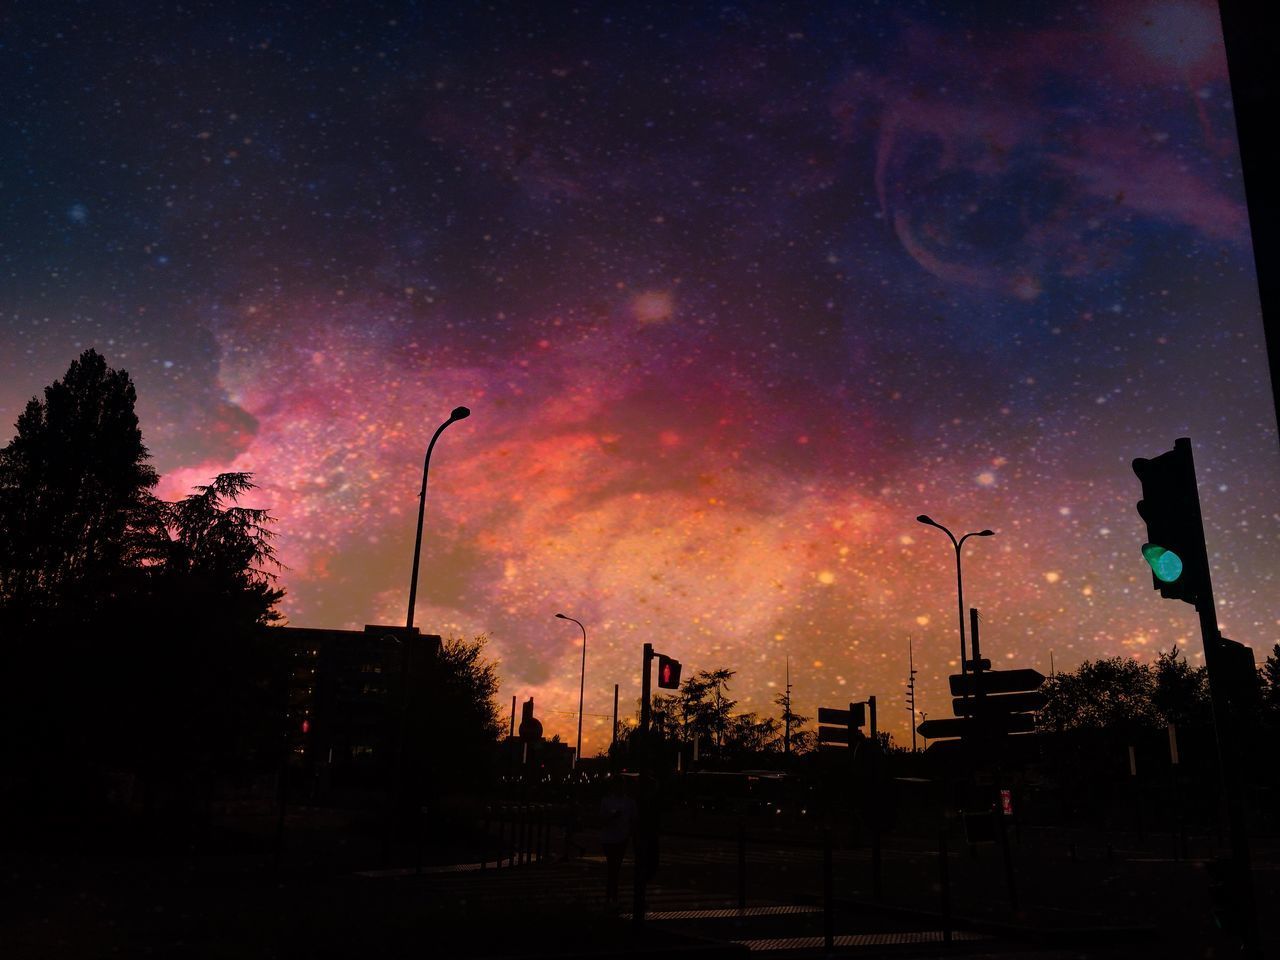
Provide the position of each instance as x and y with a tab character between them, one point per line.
1165	564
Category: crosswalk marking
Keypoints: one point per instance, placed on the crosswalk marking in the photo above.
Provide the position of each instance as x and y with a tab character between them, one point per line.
778	911
415	871
860	940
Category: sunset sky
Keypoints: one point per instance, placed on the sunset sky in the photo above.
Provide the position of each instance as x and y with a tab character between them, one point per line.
733	291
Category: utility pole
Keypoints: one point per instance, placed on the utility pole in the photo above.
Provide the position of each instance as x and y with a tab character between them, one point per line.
911	692
786	716
615	716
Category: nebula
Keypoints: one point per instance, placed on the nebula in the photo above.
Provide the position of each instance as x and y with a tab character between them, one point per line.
733	296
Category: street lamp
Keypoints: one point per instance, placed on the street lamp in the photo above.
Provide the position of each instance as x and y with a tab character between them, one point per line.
459	413
959	582
582	684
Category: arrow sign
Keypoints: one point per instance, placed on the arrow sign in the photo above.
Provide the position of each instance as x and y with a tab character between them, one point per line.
833	735
996	681
965	727
841	717
950	727
1006	703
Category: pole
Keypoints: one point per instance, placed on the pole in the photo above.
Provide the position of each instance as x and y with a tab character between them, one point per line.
944	884
614	738
644	688
960	599
582	689
1230	776
742	867
958	544
828	915
911	687
876	889
1173	777
1229	764
786	717
638	881
459	413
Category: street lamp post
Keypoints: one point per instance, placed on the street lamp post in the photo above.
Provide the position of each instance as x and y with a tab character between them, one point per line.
582	684
959	581
459	413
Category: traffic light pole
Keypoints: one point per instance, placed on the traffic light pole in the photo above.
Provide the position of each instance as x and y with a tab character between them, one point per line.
1229	768
1179	561
638	878
644	688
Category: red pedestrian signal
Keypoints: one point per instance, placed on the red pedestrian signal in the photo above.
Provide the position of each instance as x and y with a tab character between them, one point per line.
668	673
306	726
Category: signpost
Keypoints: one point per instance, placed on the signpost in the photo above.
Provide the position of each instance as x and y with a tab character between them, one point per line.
993	724
995	681
1015	703
848	735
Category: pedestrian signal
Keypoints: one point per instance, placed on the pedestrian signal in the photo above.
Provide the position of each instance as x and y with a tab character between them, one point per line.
668	673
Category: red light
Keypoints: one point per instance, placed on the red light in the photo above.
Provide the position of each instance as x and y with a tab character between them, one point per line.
306	726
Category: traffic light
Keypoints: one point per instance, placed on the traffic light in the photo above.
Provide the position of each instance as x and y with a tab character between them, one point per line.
1170	505
668	673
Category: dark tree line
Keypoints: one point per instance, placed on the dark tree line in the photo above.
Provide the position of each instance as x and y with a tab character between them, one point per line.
702	710
133	661
1118	693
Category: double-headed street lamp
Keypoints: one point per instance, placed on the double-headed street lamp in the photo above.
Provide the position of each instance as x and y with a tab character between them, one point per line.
959	582
459	413
582	684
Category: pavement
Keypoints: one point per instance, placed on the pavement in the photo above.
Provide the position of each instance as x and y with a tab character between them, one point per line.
331	896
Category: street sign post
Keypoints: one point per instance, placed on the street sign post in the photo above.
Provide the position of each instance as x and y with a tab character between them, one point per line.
857	711
995	681
844	724
1008	703
989	704
971	726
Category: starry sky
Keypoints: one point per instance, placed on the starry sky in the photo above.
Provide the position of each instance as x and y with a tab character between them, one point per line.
733	290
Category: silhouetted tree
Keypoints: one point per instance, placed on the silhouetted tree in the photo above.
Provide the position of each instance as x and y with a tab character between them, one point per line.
203	677
468	688
215	551
801	740
705	706
1112	692
460	720
1181	693
131	646
1271	685
748	734
72	481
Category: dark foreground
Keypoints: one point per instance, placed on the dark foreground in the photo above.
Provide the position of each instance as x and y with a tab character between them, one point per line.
74	891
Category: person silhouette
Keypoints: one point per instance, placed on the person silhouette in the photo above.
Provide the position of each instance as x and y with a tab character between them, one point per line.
617	815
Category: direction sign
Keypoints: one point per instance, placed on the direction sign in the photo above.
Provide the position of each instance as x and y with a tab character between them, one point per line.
1002	703
841	717
947	727
996	681
833	735
967	727
1019	746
